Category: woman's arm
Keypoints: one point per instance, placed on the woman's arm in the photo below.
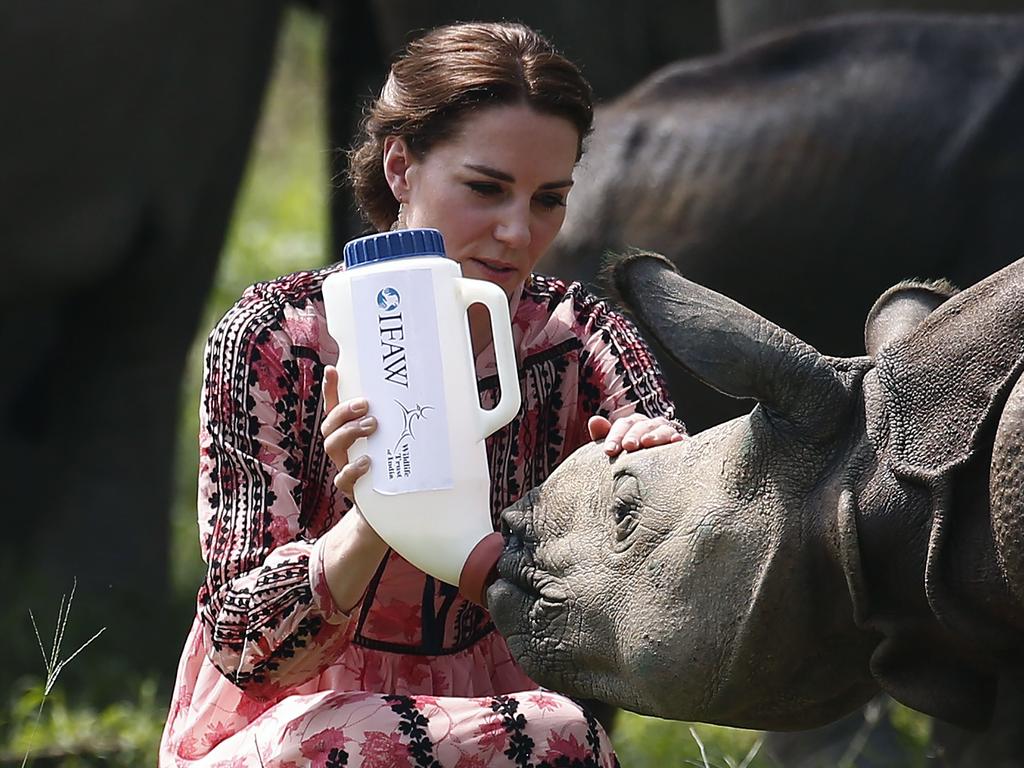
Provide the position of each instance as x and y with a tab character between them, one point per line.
352	549
633	407
264	496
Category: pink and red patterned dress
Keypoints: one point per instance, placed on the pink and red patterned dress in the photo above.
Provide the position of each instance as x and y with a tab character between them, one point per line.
272	673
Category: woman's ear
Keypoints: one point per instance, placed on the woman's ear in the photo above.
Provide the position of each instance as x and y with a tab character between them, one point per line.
397	160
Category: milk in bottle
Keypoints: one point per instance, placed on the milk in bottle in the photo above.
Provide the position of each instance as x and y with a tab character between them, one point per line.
398	314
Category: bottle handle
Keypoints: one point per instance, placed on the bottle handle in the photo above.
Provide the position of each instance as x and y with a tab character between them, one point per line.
491	296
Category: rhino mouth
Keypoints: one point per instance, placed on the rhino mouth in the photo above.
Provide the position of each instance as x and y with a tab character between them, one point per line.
517	565
530	610
540	595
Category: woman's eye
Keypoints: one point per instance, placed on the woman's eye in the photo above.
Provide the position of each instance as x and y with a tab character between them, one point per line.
484	188
550	201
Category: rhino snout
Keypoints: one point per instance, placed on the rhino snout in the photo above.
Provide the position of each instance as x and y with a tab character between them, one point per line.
517	520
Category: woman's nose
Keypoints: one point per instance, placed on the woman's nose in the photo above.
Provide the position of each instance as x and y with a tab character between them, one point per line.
513	227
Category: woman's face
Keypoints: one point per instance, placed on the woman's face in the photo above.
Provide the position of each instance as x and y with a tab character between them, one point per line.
496	190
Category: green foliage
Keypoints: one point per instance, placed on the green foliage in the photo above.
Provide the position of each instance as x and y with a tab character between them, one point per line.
648	741
915	730
124	734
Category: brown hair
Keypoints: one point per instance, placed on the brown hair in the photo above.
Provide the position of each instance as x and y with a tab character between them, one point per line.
448	72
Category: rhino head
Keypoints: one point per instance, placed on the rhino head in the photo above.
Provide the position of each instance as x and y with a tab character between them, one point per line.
730	577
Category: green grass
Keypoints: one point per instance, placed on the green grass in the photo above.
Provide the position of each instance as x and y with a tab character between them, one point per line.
648	741
280	225
124	734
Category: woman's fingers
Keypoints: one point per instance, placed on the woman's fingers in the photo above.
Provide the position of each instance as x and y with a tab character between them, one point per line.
598	426
330	388
344	423
650	432
340	440
338	413
660	435
344	413
634	432
620	430
345	480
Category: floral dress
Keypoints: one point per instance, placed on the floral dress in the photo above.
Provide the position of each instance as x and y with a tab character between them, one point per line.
273	673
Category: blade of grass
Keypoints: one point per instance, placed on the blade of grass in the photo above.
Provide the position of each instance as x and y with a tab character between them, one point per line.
754	749
52	661
39	640
58	632
700	745
60	666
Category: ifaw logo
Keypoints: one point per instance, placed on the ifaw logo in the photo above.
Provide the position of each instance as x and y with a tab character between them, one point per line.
388	299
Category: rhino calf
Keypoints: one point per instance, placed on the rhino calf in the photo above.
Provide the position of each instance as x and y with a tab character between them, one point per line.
860	529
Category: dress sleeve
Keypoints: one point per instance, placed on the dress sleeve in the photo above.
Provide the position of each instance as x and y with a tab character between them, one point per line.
268	617
619	375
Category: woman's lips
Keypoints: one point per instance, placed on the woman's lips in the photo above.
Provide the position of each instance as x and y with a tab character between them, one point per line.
494	267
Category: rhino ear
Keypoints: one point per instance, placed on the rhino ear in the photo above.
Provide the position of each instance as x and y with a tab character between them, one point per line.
729	347
901	308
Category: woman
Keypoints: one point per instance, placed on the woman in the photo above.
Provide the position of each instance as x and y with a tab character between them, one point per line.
313	642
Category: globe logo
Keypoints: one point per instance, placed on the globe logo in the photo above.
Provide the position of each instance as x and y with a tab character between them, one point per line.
388	299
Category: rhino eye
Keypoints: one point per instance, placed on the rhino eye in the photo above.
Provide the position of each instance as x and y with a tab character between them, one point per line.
626	506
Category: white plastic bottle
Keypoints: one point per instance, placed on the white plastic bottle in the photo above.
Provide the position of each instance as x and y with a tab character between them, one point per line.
398	313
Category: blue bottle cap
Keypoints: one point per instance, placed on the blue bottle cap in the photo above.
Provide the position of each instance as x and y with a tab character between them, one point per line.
399	244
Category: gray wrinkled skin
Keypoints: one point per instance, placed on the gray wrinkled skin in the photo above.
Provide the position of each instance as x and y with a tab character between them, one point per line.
594	593
776	571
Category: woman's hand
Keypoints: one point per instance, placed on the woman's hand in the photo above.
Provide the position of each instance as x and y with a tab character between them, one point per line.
632	433
353	550
343	424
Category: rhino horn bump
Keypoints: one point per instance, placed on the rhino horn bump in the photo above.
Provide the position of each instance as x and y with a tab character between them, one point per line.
1006	481
728	346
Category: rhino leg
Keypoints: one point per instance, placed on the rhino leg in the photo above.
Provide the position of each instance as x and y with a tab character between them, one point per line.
1006	483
